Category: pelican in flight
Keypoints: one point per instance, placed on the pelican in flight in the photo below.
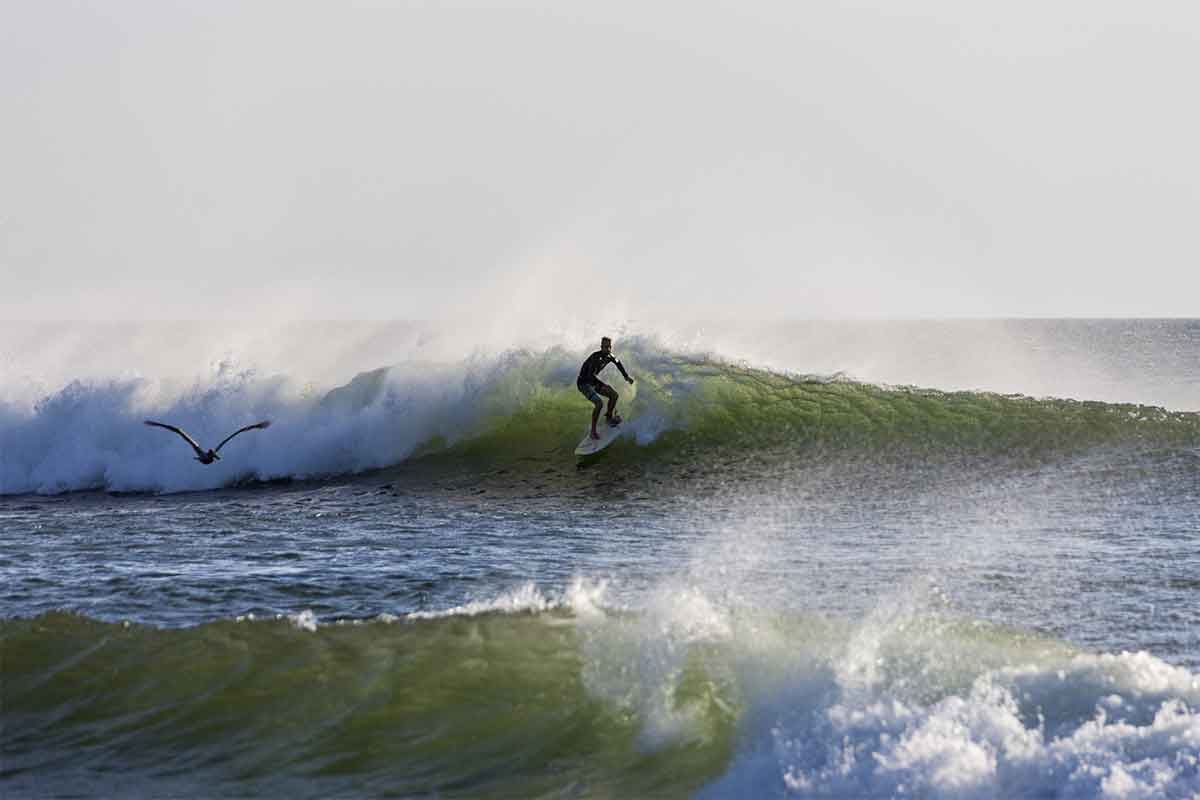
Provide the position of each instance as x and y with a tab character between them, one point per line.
209	456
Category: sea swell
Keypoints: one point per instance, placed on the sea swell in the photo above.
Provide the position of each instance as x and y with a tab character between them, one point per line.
535	693
521	408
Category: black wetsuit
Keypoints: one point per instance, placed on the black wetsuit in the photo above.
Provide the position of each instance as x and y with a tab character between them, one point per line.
591	368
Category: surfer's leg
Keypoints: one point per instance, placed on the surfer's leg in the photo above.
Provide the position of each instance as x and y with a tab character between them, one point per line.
612	396
589	391
596	418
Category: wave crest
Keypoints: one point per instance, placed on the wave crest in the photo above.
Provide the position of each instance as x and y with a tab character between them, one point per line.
521	406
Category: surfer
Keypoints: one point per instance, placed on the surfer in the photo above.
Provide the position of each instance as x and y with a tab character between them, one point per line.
211	455
591	387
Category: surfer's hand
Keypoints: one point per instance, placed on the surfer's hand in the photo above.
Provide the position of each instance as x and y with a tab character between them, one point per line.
629	379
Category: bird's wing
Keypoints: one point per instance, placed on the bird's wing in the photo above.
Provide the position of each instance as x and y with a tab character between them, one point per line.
188	439
266	423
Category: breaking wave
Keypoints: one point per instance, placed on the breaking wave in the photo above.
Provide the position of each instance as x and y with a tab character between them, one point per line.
517	407
532	693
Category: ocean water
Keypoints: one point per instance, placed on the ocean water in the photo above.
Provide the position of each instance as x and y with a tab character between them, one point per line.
823	560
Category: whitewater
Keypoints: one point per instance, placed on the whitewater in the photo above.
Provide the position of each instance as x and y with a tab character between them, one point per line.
921	559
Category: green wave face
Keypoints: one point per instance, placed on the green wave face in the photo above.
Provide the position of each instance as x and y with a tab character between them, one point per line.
490	705
575	699
531	408
532	703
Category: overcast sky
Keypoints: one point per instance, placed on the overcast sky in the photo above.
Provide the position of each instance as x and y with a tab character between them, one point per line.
165	160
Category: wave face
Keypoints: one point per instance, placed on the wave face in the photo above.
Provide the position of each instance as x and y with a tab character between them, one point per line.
531	695
520	406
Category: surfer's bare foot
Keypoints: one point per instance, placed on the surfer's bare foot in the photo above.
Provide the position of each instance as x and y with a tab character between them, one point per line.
594	434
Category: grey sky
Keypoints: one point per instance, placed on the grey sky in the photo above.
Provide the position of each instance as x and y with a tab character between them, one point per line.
416	160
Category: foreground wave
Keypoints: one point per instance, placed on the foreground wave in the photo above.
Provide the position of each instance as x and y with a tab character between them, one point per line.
530	695
522	407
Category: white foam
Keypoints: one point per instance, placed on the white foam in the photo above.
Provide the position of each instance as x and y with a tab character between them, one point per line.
583	597
526	598
89	433
306	620
588	599
1124	725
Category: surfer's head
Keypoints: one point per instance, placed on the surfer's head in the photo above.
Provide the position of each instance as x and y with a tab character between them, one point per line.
605	343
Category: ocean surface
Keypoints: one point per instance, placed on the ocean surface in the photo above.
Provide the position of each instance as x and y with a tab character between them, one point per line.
910	559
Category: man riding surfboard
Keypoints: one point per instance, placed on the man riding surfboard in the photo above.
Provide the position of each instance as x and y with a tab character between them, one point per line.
591	387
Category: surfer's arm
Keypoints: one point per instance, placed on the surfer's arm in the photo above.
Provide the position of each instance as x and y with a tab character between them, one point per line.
624	374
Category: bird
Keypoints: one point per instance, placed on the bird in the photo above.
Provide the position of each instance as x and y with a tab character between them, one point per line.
209	456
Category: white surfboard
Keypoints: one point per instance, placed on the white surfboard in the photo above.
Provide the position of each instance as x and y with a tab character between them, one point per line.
608	435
